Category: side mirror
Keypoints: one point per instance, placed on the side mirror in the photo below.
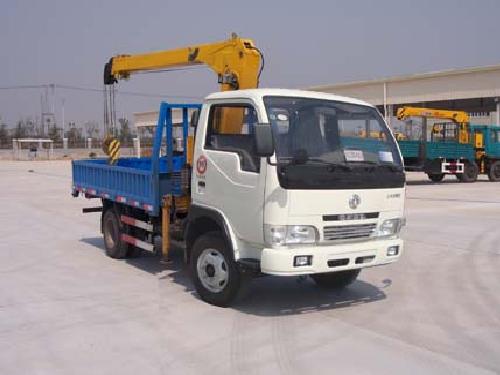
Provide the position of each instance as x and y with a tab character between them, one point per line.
195	116
264	143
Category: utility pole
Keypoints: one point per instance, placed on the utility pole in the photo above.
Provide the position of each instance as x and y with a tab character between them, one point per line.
63	123
47	102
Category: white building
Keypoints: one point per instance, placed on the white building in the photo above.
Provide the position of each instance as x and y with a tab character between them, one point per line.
474	90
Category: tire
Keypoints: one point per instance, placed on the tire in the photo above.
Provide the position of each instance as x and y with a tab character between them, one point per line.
470	172
115	247
494	171
335	280
215	274
436	177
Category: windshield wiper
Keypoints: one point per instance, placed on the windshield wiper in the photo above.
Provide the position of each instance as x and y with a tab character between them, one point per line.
369	162
330	163
391	167
294	161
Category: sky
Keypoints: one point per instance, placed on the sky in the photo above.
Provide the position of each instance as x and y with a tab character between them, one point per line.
305	43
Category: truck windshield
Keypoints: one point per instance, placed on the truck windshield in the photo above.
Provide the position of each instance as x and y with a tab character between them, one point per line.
347	139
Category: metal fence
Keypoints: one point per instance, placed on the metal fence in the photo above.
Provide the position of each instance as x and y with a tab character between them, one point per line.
46	149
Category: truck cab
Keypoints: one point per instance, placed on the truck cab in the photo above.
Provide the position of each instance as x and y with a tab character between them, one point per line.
295	185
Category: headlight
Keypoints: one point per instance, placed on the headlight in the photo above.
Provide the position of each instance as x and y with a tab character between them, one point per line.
282	235
390	227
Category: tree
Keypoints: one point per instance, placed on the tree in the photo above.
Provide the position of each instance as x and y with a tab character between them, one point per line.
4	133
55	134
20	131
125	132
74	134
91	129
25	128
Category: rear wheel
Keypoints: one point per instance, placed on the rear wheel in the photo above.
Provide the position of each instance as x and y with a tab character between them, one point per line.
115	247
436	177
494	171
470	172
215	275
335	280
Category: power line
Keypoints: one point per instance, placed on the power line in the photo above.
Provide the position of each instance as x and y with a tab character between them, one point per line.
18	87
96	90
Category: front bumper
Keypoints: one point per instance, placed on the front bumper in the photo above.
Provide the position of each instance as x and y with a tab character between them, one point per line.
281	261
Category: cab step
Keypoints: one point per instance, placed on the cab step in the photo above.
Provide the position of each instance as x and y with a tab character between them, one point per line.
137	243
127	220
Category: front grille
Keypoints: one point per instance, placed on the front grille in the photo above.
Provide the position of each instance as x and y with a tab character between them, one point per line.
348	232
351	216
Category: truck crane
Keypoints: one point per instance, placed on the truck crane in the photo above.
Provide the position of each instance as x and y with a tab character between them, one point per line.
277	182
459	119
443	154
457	148
238	64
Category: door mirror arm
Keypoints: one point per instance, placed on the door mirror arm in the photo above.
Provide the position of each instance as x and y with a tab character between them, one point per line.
271	163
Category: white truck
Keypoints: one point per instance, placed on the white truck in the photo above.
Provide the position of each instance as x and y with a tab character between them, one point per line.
284	182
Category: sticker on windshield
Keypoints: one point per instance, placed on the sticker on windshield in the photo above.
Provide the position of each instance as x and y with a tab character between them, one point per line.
354	155
385	156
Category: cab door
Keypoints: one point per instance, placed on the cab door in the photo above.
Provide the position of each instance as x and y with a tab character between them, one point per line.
227	174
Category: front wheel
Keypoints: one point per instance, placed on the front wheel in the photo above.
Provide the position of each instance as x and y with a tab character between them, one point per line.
335	280
215	274
494	171
471	171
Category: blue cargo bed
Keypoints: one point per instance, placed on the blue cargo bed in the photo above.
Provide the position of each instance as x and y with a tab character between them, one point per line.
436	150
131	181
138	182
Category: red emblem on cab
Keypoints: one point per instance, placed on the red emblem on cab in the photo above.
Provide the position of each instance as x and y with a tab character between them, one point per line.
201	165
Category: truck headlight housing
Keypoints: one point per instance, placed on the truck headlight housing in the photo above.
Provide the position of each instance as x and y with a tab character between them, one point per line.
390	227
283	235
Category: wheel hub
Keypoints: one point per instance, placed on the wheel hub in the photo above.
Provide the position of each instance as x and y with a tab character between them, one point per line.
212	270
109	234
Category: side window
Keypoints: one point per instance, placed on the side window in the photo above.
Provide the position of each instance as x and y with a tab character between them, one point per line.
495	136
230	129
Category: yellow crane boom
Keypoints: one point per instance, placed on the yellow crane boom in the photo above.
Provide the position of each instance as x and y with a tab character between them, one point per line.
456	116
461	118
236	61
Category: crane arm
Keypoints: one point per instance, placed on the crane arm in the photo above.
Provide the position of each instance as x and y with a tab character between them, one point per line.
456	116
236	61
460	118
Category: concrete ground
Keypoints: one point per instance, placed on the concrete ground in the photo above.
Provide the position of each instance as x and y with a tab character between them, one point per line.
66	308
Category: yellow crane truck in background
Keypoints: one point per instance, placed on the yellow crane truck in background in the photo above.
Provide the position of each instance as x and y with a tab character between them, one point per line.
455	147
460	119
